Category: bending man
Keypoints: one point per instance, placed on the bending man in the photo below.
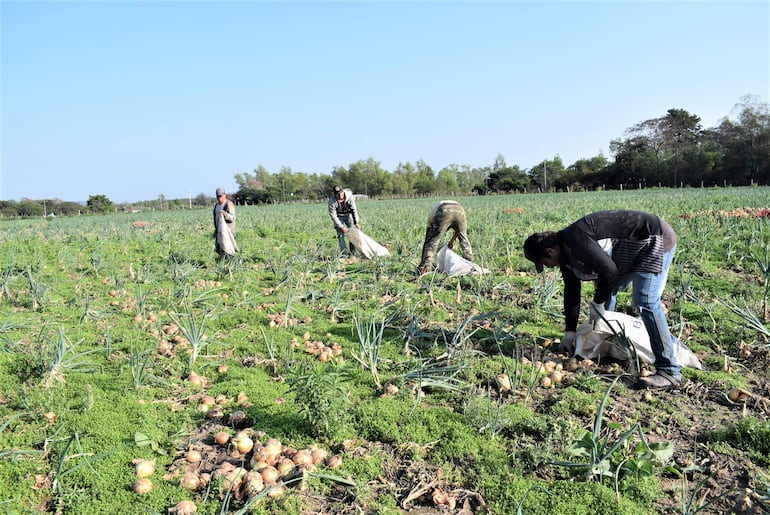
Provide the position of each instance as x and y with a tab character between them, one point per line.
615	249
445	215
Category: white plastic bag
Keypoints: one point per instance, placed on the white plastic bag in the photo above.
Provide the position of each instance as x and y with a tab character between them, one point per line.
364	244
225	238
599	341
454	265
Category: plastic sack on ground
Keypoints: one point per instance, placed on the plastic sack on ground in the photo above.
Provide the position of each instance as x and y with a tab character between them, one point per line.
455	265
365	245
599	341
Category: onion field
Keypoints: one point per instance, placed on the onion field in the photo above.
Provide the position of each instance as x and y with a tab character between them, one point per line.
141	375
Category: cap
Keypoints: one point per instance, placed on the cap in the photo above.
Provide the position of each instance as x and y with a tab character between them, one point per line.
220	192
534	247
336	189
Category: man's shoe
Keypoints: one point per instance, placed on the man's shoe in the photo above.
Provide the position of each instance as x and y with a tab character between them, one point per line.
658	381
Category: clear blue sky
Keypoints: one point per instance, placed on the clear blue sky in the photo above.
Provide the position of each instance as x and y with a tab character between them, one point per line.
137	99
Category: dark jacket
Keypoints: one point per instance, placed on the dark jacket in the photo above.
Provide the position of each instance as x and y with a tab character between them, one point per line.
606	246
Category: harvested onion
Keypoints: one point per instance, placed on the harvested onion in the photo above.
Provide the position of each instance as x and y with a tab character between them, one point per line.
193	456
190	481
334	462
183	508
144	468
142	486
243	443
270	474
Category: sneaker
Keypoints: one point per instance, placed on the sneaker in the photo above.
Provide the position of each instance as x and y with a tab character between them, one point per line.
658	381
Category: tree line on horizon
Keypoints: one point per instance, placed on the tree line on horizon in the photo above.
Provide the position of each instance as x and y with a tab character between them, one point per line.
673	150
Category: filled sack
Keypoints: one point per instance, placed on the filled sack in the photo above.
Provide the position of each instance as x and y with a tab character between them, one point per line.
364	244
225	239
454	265
594	341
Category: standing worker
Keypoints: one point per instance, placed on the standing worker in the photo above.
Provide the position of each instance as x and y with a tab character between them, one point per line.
444	215
615	249
224	225
344	215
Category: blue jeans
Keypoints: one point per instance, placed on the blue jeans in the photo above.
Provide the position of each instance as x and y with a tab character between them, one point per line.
647	291
347	221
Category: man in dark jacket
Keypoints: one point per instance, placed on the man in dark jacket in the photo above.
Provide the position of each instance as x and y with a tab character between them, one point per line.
344	215
615	249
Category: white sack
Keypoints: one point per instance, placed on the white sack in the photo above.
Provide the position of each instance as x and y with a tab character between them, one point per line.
599	341
225	238
364	244
454	265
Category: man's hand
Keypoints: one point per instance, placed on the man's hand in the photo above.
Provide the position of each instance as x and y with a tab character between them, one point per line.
358	226
595	312
344	230
567	345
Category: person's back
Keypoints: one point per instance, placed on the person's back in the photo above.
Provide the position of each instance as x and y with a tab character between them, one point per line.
444	215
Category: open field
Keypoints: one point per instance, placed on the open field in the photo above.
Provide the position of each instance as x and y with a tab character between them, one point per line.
362	387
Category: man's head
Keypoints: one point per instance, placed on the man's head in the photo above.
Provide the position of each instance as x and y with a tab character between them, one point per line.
542	248
338	192
220	192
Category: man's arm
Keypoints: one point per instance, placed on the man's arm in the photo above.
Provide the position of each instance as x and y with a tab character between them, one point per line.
229	211
571	299
333	214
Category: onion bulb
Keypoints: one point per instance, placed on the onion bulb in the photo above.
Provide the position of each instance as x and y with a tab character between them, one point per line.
303	457
190	481
193	456
270	474
221	438
273	447
142	486
144	468
243	443
285	466
319	455
183	508
196	379
253	483
334	462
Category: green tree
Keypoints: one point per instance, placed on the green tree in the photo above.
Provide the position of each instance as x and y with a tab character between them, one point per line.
746	142
446	180
100	204
29	207
577	174
404	177
544	174
425	183
670	137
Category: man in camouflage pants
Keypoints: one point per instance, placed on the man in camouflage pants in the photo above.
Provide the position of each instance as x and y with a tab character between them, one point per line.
445	215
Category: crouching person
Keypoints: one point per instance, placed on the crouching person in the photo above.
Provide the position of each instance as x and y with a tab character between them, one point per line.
444	215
